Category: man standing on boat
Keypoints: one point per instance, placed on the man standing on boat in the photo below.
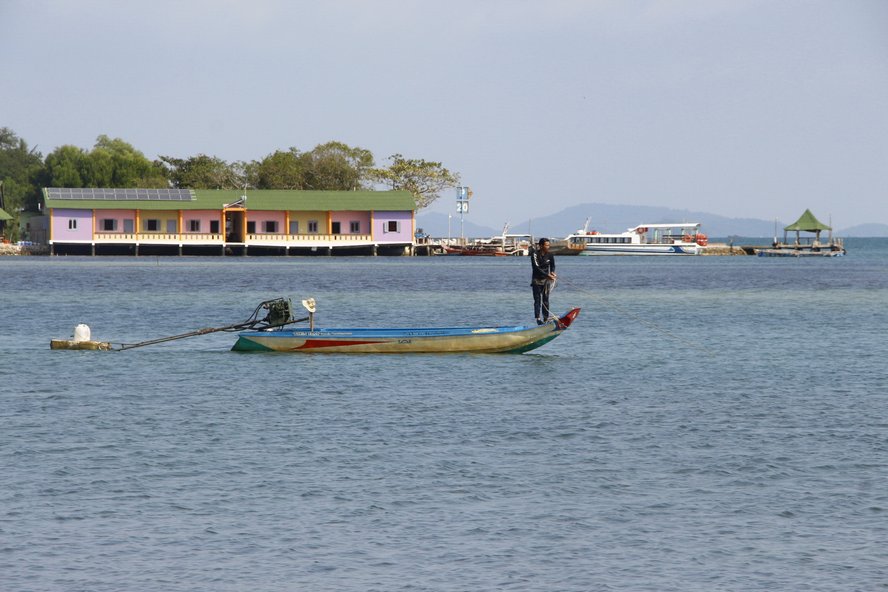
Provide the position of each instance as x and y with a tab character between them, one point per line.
543	264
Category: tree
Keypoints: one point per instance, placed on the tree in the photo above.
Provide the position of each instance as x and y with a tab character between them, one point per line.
20	168
424	179
111	163
204	172
336	166
115	163
64	166
281	170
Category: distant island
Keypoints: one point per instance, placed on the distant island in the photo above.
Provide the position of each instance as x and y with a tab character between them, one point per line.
617	218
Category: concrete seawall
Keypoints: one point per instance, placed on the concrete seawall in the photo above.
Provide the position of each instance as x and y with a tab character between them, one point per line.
8	249
723	249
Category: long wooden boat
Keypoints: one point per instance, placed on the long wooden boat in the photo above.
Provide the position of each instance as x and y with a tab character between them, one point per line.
516	339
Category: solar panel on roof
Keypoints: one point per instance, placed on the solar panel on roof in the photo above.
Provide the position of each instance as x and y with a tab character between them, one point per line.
99	193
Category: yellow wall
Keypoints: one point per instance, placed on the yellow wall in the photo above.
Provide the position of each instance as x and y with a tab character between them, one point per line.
304	217
162	215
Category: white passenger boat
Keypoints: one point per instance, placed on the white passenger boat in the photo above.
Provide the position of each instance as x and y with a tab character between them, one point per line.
644	239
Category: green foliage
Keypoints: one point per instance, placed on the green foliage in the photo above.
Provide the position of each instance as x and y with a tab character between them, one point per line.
281	170
20	167
113	162
424	179
330	166
336	166
203	172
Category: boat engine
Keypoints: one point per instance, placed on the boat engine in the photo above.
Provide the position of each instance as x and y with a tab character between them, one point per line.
280	312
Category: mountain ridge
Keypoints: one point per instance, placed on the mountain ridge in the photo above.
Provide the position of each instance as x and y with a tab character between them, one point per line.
611	218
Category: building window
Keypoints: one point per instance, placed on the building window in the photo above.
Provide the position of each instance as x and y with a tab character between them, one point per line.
152	225
214	227
294	227
354	227
172	227
194	225
335	228
271	227
72	224
109	225
251	228
392	226
128	225
313	226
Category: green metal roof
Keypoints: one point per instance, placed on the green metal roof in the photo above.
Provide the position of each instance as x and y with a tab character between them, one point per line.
807	223
4	215
257	199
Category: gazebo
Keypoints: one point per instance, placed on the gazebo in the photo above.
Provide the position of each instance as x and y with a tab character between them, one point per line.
807	222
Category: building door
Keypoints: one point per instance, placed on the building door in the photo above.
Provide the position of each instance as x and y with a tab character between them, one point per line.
335	228
234	226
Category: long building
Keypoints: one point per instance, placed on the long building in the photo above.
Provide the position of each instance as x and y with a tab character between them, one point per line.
92	221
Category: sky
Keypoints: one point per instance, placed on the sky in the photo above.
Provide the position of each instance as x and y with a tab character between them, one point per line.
755	108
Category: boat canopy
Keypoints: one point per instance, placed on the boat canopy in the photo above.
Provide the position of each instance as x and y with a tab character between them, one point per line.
807	222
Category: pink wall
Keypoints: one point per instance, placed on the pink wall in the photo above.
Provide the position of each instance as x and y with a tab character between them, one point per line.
346	218
117	215
205	217
261	217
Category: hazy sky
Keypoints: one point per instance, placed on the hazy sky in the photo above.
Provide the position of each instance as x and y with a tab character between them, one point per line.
740	108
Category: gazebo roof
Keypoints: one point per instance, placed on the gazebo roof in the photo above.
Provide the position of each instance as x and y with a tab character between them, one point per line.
807	223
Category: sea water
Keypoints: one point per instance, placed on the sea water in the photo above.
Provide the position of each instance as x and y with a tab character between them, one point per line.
709	423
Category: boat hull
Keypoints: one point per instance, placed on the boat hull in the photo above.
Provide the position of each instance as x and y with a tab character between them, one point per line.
518	339
641	249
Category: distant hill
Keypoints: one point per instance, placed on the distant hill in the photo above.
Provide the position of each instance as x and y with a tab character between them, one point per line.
617	218
436	225
865	230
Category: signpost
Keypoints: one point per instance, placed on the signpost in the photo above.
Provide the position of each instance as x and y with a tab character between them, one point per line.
463	194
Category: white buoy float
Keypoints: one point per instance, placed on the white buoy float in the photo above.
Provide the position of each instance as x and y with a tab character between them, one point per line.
82	340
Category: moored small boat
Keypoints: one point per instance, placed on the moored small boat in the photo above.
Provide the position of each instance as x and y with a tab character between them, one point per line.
482	339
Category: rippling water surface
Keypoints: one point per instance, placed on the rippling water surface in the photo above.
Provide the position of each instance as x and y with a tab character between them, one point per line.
710	423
